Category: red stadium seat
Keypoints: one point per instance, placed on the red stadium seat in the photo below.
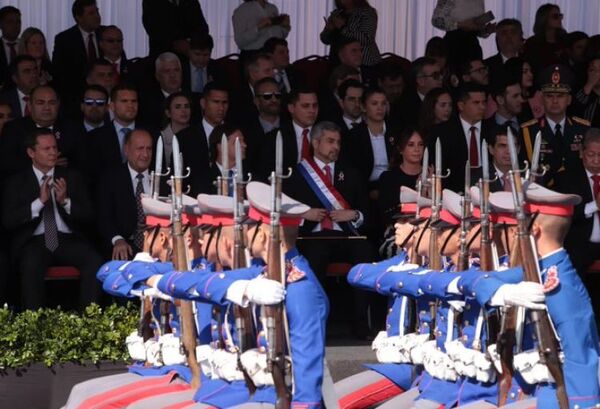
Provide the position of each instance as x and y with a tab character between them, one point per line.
338	269
229	67
62	273
312	70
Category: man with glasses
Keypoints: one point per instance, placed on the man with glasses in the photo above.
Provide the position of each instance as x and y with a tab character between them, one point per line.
474	70
111	47
257	67
426	75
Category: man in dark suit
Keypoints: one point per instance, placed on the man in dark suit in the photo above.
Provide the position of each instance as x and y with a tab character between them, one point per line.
194	140
426	75
44	106
329	99
350	93
76	47
326	220
350	53
169	23
44	208
107	142
268	100
506	92
10	24
499	163
167	80
462	134
303	107
583	238
111	48
198	68
24	74
509	41
216	166
391	78
285	76
120	218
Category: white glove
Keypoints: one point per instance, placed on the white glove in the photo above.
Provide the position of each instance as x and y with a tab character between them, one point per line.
528	364
225	365
153	353
419	352
152	293
380	341
135	347
493	354
485	369
525	294
170	349
204	357
458	305
263	291
255	363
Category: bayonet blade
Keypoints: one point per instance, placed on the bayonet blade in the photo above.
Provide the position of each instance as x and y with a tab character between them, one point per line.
514	160
438	157
177	167
278	155
485	166
239	177
224	154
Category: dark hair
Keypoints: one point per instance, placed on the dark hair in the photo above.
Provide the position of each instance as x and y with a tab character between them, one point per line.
31	138
496	131
369	92
100	62
436	47
272	43
215	136
463	92
79	6
401	143
340	72
465	66
214	86
201	42
510	22
349	83
344	41
542	15
263	81
391	71
420	63
121	87
294	95
13	67
592	48
6	10
427	112
513	67
169	100
95	87
503	80
575	36
104	29
47	86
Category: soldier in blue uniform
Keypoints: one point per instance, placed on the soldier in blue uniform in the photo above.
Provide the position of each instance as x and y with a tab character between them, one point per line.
561	134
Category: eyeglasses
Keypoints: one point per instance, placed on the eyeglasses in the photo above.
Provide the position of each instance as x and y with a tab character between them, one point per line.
268	95
479	70
112	40
436	75
92	101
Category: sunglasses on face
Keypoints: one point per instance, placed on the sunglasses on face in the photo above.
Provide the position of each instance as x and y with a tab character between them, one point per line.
268	95
92	101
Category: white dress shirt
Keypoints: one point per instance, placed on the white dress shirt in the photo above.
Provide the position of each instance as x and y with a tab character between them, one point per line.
552	124
467	130
350	121
208	128
298	130
85	35
380	157
37	206
591	209
145	183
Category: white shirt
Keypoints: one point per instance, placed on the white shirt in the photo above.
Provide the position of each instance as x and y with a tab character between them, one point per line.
349	121
22	102
37	206
208	128
5	43
85	35
245	20
281	76
268	126
298	130
467	130
380	158
146	185
552	125
591	209
89	127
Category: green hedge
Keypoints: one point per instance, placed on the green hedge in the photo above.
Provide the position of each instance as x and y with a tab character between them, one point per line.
54	336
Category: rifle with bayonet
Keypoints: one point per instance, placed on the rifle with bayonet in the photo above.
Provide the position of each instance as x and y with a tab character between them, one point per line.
276	337
548	344
463	255
244	324
188	325
223	180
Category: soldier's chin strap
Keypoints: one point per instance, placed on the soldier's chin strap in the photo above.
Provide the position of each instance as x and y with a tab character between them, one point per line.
505	233
219	230
210	239
454	229
255	234
418	243
474	237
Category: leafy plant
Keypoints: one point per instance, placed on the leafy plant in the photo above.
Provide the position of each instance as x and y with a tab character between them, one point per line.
54	336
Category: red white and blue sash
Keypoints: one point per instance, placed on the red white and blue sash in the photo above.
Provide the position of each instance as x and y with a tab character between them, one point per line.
323	188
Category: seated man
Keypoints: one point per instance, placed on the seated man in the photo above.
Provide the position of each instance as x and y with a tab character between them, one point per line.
44	208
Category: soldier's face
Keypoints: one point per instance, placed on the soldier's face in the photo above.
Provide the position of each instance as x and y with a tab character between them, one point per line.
556	103
590	155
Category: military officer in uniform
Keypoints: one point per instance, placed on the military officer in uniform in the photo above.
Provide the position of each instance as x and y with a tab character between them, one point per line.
561	134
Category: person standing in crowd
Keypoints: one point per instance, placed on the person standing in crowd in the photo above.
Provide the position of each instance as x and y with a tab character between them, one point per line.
170	23
285	75
44	209
76	48
404	169
509	42
533	106
198	68
178	113
548	43
33	43
10	24
254	22
437	108
426	75
586	98
111	48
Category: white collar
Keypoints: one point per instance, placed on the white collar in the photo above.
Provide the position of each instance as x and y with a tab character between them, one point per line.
133	173
298	129
39	174
467	126
118	126
322	164
545	256
553	124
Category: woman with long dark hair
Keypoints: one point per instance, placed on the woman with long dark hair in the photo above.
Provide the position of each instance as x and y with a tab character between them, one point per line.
518	67
177	117
436	108
548	43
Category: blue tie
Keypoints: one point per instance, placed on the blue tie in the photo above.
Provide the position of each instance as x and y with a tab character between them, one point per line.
124	133
230	176
199	80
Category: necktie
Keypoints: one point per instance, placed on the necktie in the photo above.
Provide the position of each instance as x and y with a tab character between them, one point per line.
305	144
473	151
558	132
230	176
327	223
26	111
91	48
506	183
596	186
138	236
13	51
124	133
199	80
117	74
353	125
49	219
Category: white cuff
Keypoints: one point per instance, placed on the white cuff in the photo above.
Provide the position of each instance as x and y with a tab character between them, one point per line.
497	299
36	208
590	209
236	293
453	287
67	205
114	239
360	220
